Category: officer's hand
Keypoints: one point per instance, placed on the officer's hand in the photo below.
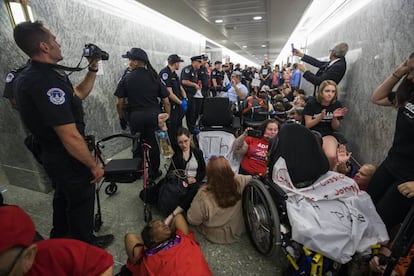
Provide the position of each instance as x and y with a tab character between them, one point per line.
97	173
93	63
123	123
184	103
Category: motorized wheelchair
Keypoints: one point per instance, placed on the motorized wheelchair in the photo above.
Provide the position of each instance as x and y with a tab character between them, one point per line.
295	159
125	170
218	126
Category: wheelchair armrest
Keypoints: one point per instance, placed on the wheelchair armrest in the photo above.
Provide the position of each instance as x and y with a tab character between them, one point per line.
279	192
124	135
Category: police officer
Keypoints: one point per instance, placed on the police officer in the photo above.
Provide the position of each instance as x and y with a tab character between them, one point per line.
51	108
177	97
138	91
216	78
189	81
8	87
203	76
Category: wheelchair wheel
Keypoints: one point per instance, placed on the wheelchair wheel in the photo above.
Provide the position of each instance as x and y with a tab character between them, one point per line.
261	218
97	223
111	189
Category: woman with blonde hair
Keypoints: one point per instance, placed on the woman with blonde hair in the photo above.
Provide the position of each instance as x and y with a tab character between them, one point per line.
323	114
216	210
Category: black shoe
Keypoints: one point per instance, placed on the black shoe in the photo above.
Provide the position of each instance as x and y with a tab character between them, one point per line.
102	241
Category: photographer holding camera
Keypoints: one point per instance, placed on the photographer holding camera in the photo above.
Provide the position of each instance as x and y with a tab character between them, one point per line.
51	108
253	145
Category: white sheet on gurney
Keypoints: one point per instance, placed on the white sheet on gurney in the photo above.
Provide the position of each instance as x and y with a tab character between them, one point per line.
332	216
216	143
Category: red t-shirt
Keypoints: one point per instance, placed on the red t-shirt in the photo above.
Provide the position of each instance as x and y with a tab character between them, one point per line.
185	258
254	162
57	257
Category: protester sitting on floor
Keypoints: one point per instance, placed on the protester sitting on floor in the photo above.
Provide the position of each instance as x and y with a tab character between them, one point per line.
363	176
216	210
323	114
19	255
165	250
187	163
254	149
392	198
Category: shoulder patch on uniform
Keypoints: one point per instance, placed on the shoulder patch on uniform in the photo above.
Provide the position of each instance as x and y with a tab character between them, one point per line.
214	72
56	96
187	70
165	76
9	77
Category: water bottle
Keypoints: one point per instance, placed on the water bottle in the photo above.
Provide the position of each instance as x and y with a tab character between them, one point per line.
165	144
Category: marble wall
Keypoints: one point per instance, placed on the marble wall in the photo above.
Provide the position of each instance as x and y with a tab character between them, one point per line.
75	23
380	36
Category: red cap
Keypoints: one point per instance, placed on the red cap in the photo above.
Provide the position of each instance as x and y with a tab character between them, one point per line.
17	228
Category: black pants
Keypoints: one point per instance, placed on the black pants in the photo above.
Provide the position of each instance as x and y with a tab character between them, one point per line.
146	123
74	197
174	123
191	114
391	205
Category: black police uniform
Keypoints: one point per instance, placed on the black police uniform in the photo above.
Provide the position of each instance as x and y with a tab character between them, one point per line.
45	99
170	79
8	87
203	76
142	92
218	76
188	73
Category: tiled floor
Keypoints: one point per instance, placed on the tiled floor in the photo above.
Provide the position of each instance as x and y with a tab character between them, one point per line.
123	212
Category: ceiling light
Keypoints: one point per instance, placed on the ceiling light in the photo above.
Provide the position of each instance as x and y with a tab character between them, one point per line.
219	21
244	46
257	18
264	46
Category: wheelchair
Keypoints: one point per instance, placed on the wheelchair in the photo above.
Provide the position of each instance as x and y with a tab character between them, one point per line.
218	126
120	171
264	202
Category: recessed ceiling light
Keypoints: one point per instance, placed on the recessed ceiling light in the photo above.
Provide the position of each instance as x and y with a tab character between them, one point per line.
257	18
244	46
263	45
219	21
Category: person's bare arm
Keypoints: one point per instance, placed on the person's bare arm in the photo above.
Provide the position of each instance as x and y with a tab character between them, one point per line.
311	122
74	143
133	247
84	88
380	95
239	145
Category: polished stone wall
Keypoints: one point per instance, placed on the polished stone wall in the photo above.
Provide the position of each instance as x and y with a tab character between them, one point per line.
380	36
75	23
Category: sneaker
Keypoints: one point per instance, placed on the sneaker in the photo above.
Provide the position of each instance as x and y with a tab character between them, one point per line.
102	241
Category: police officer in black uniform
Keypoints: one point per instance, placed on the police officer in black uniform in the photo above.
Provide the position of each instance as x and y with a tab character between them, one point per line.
203	76
177	97
189	81
8	87
138	92
51	108
216	78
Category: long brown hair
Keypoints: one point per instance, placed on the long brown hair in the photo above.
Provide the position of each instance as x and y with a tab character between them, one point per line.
221	182
405	91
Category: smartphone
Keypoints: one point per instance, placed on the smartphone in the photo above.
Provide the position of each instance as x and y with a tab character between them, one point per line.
293	47
254	133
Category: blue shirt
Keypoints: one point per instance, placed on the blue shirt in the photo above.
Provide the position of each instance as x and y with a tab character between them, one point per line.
232	95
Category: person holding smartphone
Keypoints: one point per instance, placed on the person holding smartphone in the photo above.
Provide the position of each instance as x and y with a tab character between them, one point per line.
254	147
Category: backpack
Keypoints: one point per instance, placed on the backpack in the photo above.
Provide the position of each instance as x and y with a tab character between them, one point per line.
170	193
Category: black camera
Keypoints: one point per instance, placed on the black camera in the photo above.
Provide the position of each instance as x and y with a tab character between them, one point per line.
255	133
94	52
